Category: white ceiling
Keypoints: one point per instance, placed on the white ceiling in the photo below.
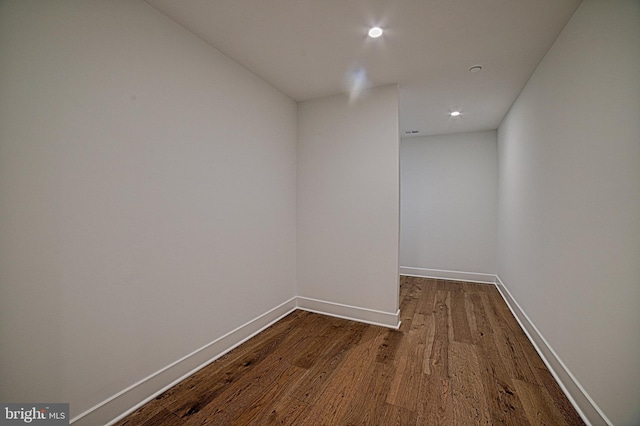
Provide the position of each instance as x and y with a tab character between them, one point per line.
313	48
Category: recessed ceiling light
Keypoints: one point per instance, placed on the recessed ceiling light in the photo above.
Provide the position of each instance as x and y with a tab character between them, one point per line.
375	32
475	68
454	113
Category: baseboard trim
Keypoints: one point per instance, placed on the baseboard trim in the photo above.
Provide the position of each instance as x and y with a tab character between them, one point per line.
577	395
474	277
135	396
353	313
130	399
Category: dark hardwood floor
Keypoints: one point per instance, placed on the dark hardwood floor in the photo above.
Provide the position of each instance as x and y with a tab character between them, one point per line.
459	358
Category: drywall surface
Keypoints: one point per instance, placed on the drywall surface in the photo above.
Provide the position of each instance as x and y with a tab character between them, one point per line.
449	201
348	200
147	197
569	202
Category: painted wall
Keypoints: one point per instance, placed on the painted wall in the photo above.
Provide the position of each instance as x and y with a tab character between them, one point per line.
449	201
348	200
569	210
147	197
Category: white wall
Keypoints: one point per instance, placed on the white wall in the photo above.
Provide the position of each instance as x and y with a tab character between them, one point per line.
449	201
348	200
569	213
147	197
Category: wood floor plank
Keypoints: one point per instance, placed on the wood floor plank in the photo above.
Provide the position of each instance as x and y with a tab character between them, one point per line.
504	405
328	362
406	314
435	406
442	285
200	382
438	358
267	405
404	287
547	382
427	297
508	345
365	407
189	400
392	415
510	321
389	347
307	358
287	412
193	393
406	383
471	315
333	404
504	312
459	317
239	397
430	334
215	382
368	406
466	386
535	402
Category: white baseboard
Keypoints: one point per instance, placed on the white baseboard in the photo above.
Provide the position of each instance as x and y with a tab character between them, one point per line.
582	402
474	277
128	400
353	313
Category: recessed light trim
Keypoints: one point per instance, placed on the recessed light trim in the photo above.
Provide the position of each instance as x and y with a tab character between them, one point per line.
455	113
475	68
375	32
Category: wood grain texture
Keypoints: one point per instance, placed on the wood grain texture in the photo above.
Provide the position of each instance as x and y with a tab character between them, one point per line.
459	358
